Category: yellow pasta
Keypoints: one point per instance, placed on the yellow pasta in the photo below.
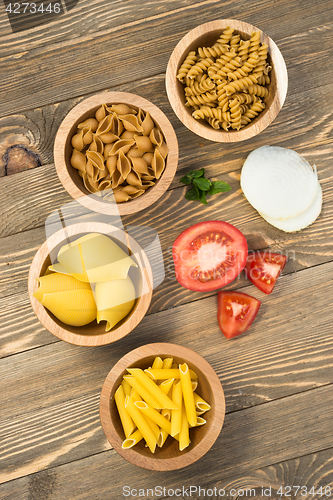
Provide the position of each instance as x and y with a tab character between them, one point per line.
184	435
200	403
104	148
176	415
156	392
141	424
166	373
148	405
72	307
114	300
188	397
126	421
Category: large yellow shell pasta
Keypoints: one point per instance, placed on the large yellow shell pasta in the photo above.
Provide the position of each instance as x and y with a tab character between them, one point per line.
72	307
56	282
114	300
95	257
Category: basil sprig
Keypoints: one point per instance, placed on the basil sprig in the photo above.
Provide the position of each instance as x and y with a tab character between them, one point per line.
202	186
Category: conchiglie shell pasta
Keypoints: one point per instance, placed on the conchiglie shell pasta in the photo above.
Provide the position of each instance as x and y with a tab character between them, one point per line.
91	123
105	184
108	137
147	124
156	136
122	145
90	184
101	113
131	123
148	158
106	125
163	149
158	164
127	135
120	196
140	165
56	282
97	145
77	141
81	260
111	164
134	179
134	152
117	179
72	307
132	190
114	300
96	159
123	165
143	143
78	160
122	109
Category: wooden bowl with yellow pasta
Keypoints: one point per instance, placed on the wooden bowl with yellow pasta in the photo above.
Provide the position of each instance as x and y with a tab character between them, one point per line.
87	309
116	152
226	80
162	451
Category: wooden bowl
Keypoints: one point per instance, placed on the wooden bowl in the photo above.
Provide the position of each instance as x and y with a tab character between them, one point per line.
206	35
69	176
202	438
92	334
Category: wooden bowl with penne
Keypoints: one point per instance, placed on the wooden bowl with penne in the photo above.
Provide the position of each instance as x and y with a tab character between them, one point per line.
162	406
90	284
226	80
116	153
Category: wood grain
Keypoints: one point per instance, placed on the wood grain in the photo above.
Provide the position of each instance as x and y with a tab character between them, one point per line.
23	92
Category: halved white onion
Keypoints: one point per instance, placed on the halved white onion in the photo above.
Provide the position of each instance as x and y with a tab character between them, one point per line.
302	220
278	182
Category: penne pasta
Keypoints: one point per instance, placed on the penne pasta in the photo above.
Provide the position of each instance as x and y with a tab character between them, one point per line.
141	424
200	404
132	440
156	392
184	435
165	373
188	397
126	387
143	391
153	415
167	363
126	421
158	363
166	385
176	415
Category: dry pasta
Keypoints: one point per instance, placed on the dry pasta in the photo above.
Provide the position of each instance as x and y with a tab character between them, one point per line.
122	149
157	410
219	78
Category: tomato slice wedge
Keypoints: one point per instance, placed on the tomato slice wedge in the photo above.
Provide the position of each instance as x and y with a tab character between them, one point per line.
209	255
236	312
264	268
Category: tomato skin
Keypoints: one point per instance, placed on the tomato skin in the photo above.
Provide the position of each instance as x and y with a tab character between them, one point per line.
264	268
233	305
226	246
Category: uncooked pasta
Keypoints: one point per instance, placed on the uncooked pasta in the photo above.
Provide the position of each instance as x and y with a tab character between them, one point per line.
226	84
120	149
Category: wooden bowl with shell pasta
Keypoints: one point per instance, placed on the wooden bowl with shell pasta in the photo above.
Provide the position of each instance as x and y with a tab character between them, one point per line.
117	133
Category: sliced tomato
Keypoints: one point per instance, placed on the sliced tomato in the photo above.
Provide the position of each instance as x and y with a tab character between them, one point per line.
264	268
209	255
236	312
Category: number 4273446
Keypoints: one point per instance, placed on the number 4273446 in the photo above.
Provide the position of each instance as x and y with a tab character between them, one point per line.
32	8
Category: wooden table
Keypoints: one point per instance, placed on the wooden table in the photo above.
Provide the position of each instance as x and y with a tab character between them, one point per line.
278	377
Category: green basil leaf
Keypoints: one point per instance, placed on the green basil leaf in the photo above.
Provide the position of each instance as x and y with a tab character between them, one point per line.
186	179
202	197
195	174
218	187
202	183
192	194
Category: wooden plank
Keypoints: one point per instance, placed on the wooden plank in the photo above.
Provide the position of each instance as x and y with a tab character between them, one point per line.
296	127
98	17
145	52
288	350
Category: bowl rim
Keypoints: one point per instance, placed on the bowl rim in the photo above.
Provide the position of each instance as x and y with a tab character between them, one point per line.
85	198
221	135
61	332
109	387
